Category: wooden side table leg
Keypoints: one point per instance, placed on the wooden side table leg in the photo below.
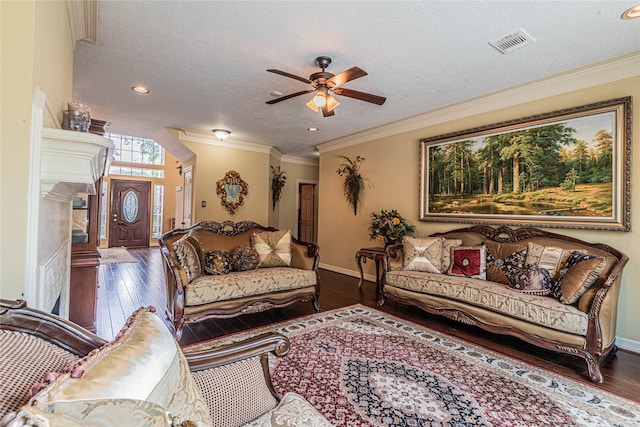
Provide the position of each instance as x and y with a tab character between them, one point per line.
377	277
359	266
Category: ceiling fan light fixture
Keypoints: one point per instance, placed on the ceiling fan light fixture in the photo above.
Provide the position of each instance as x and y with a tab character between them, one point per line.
320	98
313	106
221	134
332	103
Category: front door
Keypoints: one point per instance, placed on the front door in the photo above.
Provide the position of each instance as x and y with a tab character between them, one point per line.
306	220
129	225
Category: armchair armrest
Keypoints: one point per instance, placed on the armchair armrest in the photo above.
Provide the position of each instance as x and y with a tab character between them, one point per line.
234	379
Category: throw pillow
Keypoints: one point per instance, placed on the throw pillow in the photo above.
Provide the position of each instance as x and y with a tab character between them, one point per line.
274	248
533	279
468	262
580	272
244	258
217	262
549	257
504	260
447	244
189	255
422	254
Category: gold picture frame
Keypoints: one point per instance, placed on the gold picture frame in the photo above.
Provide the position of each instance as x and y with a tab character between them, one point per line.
232	190
566	169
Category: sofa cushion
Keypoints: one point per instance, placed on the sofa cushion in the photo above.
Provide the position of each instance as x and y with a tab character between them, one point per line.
550	257
273	247
237	284
422	254
532	279
244	258
541	310
504	259
189	255
293	410
217	262
447	244
468	261
580	272
143	362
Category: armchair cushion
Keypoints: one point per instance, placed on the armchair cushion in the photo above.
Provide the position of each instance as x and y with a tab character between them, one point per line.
293	410
143	363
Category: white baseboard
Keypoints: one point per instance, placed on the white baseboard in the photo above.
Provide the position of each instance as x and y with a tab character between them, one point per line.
623	343
627	344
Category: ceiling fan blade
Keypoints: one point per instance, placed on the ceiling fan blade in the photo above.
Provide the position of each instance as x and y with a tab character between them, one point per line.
293	95
326	112
292	76
362	96
346	76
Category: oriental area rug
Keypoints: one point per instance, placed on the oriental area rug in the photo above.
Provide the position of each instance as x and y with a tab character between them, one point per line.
361	367
115	256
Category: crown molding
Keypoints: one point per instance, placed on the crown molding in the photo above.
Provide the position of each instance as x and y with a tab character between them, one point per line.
83	19
593	75
306	161
205	138
275	153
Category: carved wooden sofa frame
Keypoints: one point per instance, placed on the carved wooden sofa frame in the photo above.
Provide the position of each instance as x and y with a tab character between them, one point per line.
599	342
304	255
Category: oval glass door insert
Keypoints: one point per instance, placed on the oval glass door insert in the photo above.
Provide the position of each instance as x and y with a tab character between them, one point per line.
130	206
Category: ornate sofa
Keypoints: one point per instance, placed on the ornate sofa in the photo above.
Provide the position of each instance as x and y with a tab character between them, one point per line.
578	319
192	294
56	373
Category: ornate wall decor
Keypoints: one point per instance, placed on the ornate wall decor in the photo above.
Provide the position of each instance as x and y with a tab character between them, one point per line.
352	184
232	190
278	180
565	169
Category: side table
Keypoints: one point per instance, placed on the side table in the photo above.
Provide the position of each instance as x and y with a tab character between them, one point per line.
376	254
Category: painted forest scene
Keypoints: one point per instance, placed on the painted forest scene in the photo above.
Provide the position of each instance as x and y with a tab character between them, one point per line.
562	168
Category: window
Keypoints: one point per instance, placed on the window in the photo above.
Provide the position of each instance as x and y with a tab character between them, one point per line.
133	171
132	149
103	211
158	200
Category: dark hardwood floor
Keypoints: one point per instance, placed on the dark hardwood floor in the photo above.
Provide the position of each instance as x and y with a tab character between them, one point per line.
126	287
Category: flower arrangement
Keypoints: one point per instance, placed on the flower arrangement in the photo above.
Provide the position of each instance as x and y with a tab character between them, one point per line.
389	226
352	184
278	180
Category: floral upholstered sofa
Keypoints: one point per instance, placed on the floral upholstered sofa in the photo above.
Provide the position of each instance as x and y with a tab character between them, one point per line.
548	289
223	269
57	374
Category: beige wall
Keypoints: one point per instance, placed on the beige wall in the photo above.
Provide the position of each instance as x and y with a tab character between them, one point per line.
212	162
391	170
36	51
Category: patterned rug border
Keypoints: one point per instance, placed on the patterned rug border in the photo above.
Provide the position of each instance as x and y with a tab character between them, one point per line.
542	380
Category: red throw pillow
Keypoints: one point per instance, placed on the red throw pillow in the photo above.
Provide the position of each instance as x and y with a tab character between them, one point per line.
468	262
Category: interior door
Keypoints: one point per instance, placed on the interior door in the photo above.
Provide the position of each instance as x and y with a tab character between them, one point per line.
129	225
187	204
306	219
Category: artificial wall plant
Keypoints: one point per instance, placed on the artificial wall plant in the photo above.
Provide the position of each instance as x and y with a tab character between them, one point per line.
352	184
278	180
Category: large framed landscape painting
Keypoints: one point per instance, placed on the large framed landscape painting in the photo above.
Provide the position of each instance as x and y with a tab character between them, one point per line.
565	169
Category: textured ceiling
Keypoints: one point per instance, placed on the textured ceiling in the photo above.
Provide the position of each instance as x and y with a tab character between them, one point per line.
205	62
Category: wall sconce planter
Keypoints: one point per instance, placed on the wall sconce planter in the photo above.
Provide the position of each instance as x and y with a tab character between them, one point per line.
232	190
352	184
278	181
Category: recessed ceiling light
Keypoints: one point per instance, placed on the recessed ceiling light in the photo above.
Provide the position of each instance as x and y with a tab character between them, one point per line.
632	12
312	129
140	89
276	93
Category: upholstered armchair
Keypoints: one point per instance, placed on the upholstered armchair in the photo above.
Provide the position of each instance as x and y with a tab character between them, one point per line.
56	373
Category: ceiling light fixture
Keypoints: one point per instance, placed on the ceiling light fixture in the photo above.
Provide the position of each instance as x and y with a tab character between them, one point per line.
312	129
140	89
632	12
221	134
322	98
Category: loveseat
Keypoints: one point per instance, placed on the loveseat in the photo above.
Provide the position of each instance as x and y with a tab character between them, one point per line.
57	374
224	269
548	289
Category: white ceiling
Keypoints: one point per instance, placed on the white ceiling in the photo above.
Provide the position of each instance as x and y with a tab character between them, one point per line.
205	62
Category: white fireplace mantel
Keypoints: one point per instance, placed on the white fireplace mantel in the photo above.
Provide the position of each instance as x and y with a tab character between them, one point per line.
72	162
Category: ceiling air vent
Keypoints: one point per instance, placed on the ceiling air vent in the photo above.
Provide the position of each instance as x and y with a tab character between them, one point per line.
512	41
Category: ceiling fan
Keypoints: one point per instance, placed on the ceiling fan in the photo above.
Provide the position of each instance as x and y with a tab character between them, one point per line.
324	84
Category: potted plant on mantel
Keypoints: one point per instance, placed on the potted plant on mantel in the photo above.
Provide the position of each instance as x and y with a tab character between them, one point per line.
389	226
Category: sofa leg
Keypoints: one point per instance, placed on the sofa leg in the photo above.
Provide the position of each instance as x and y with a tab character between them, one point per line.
381	300
594	369
316	305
